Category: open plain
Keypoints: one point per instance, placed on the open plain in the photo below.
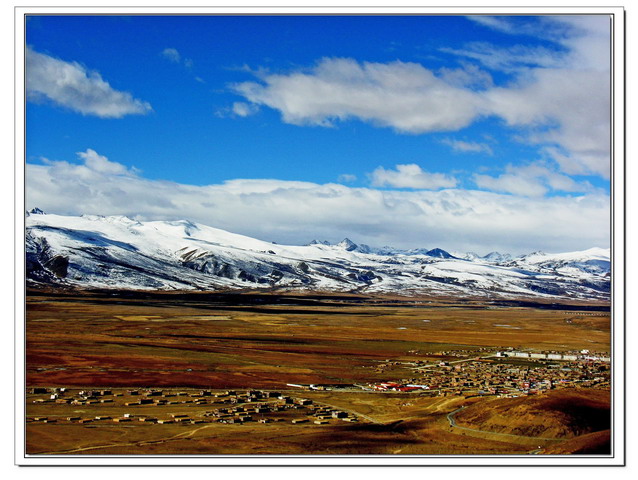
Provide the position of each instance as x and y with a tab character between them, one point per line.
258	373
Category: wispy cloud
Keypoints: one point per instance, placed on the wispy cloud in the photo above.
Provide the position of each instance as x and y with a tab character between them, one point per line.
517	58
457	219
71	85
533	180
547	27
467	147
237	110
347	178
497	23
411	176
467	76
172	54
242	109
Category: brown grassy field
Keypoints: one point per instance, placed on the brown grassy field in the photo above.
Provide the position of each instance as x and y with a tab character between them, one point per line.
126	339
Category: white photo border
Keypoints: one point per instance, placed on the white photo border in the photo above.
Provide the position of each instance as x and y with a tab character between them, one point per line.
618	218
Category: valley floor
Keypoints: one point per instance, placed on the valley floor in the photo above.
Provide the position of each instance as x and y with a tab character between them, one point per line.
389	375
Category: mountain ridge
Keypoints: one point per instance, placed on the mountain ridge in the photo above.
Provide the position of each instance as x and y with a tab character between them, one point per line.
119	252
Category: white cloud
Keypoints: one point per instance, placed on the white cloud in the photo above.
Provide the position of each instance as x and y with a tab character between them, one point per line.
404	96
172	54
71	85
509	183
242	109
468	147
411	176
295	212
100	164
533	180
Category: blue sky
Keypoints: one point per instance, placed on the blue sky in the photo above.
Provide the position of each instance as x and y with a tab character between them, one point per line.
469	132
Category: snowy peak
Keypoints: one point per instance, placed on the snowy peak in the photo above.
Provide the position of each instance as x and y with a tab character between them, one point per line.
497	257
318	242
347	244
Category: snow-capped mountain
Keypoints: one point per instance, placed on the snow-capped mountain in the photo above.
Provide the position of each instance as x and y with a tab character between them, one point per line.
350	246
497	257
118	252
471	256
593	260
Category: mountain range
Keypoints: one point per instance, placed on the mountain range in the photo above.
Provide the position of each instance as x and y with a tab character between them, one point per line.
117	252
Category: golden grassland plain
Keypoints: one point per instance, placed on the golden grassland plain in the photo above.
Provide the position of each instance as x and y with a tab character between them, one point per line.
194	341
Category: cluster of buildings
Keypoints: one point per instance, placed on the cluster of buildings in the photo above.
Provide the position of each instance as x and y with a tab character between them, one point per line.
310	411
573	356
232	407
494	376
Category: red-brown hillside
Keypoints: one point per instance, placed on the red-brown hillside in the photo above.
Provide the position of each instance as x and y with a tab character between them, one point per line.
557	414
597	443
